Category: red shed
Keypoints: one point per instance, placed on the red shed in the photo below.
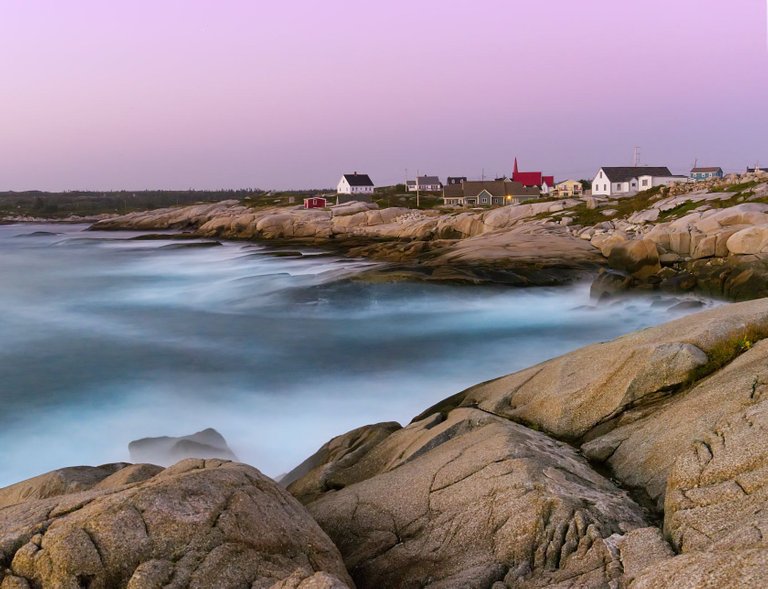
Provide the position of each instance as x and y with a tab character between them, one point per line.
315	202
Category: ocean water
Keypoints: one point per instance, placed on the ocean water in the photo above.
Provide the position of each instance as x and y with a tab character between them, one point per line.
105	339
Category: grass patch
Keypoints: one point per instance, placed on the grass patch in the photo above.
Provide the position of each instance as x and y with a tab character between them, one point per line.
679	211
735	187
725	352
624	206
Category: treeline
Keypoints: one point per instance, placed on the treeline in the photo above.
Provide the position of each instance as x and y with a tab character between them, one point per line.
87	203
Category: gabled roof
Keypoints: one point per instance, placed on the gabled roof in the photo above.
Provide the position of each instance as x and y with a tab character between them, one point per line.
625	174
358	179
694	170
497	188
424	181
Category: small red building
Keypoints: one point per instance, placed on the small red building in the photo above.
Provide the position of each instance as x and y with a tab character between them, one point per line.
315	202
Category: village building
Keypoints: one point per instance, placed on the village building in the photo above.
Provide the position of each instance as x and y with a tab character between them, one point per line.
480	193
706	173
355	184
757	170
569	188
315	202
531	179
626	181
455	180
424	184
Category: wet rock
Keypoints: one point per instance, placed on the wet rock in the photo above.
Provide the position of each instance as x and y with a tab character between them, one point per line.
168	450
686	306
609	283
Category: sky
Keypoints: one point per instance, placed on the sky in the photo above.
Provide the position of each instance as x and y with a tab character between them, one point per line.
291	94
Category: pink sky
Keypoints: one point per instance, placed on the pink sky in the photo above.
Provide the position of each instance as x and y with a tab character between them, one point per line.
233	93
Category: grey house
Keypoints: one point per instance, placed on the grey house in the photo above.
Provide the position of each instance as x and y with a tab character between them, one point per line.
706	173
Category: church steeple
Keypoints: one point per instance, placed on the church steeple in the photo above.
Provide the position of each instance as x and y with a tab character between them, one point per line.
515	171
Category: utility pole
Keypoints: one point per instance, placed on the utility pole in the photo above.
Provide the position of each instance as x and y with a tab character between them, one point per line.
636	158
418	187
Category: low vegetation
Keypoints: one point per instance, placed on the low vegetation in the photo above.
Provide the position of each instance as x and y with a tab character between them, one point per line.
624	207
90	203
727	351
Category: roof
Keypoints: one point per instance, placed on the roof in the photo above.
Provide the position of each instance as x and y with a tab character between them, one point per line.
528	178
358	179
453	191
424	181
497	188
621	174
694	170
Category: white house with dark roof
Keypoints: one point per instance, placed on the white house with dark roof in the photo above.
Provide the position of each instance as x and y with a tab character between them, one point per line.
623	181
425	184
358	184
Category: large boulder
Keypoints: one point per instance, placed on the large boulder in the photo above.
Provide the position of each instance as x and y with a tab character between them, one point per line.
638	257
167	450
329	467
644	444
571	395
74	480
469	499
752	240
199	524
715	508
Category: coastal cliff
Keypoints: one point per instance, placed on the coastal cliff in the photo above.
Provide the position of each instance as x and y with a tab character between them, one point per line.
638	463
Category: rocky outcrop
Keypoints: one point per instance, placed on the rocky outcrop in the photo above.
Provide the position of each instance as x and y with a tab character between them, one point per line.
197	524
74	480
168	450
329	468
465	495
471	499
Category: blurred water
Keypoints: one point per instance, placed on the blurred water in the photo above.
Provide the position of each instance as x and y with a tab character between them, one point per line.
104	339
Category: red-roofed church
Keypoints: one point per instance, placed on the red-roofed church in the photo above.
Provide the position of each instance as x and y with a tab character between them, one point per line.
529	179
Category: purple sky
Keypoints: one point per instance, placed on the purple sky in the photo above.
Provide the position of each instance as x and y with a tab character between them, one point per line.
290	94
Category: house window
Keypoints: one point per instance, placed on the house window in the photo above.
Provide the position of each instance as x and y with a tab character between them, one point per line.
484	200
645	182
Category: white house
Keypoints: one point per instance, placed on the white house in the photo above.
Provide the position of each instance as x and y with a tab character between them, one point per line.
425	184
617	181
359	184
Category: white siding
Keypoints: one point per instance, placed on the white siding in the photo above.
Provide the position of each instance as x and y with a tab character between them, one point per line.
601	185
343	187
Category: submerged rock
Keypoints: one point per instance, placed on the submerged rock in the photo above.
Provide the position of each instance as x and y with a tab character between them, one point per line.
167	450
202	524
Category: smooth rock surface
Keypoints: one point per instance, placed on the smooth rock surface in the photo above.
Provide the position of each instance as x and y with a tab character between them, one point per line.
570	395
